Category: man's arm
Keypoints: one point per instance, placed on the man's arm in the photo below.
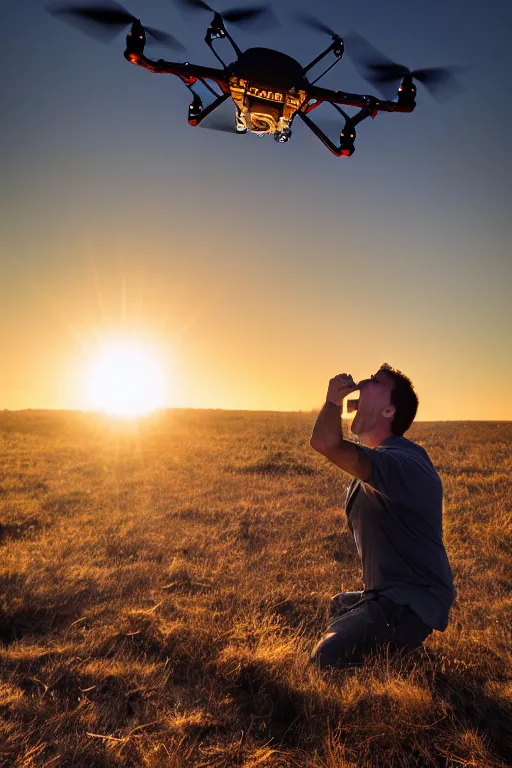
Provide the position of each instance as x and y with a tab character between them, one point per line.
327	436
327	439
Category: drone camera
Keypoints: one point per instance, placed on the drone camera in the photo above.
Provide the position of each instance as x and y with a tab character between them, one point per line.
283	136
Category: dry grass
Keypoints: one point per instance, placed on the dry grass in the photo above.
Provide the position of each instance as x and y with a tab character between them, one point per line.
163	585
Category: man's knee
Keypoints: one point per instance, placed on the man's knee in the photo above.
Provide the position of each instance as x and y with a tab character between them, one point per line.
352	635
320	654
332	651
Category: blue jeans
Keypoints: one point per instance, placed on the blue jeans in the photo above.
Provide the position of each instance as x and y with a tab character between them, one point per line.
363	622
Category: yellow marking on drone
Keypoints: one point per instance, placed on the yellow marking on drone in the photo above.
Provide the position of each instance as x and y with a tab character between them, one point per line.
262	93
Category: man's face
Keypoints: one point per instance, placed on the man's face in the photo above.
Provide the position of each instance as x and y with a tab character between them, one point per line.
374	399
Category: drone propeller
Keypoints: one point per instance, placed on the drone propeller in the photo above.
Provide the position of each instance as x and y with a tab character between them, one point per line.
313	23
232	15
379	70
104	22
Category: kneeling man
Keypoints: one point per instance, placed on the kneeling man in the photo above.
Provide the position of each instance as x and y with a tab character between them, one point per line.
394	512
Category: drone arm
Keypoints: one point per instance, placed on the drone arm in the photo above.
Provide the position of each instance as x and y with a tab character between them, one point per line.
188	73
320	95
361	115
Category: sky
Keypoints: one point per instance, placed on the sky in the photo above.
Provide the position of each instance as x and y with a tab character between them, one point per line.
255	271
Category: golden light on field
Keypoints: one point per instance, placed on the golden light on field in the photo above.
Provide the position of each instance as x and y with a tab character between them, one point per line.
125	380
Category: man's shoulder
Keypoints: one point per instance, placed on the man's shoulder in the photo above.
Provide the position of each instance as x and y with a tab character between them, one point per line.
397	443
398	460
405	449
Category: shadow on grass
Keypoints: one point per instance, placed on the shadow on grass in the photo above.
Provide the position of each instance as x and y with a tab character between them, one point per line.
276	709
458	689
26	529
464	689
36	622
24	612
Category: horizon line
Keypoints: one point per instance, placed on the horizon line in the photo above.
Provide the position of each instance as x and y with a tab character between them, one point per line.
226	410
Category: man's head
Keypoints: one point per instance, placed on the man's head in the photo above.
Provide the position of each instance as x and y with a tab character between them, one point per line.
387	406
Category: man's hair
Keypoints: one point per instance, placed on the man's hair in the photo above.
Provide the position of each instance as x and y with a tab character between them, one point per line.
405	400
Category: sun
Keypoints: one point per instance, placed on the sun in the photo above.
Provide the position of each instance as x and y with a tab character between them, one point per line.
125	380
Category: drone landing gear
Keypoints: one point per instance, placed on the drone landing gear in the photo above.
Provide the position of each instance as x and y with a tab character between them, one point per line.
196	111
217	31
346	147
337	47
348	134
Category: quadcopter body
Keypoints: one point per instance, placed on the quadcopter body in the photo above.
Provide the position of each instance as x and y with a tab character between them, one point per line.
269	89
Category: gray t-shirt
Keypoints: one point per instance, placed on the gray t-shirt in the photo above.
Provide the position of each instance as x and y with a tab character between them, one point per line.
396	521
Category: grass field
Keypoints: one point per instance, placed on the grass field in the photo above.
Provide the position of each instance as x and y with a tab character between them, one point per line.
162	586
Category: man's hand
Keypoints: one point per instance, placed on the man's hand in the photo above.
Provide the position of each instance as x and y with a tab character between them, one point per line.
339	387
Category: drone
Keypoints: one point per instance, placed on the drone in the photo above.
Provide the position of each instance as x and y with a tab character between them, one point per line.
268	88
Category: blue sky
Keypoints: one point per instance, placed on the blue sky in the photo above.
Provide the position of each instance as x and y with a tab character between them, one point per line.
256	263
